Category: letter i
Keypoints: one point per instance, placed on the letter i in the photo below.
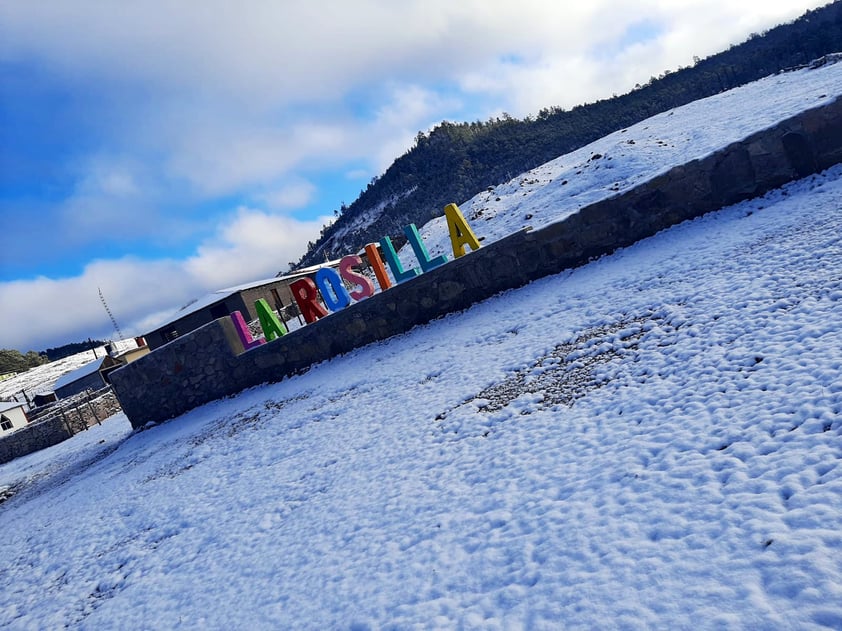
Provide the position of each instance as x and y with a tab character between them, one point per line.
373	255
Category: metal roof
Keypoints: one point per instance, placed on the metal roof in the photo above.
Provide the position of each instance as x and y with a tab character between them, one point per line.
79	373
221	294
10	405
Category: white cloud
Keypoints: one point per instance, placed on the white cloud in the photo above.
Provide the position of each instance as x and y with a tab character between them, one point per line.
217	155
294	194
252	246
263	55
108	177
47	312
238	95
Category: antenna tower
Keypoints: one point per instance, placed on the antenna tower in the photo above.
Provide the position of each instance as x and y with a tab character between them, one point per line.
110	315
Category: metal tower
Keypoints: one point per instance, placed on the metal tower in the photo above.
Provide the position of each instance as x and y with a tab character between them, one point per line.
110	315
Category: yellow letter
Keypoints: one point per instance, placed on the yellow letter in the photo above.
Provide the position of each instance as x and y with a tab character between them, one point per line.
460	232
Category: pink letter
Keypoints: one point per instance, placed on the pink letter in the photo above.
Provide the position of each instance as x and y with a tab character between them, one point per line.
244	333
366	287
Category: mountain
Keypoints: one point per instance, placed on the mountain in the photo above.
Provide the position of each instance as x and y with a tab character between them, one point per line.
636	154
651	440
456	161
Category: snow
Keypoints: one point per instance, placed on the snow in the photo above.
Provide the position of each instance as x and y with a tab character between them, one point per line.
634	155
81	372
652	440
43	379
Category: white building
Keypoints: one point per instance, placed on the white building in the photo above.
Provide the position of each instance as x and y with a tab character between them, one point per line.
12	417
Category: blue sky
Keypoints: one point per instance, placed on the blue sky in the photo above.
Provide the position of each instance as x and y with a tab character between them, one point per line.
160	150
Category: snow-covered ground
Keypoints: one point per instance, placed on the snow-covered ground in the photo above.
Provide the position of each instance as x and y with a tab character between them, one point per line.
652	440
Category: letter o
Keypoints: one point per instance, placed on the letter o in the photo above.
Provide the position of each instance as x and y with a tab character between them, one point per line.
332	289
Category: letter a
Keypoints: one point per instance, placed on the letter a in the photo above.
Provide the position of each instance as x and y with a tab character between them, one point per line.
460	232
269	322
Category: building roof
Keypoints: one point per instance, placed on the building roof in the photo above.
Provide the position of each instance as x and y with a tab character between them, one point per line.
196	305
9	405
79	373
221	294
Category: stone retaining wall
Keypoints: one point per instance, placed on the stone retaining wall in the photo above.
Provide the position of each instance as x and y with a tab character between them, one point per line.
58	423
209	363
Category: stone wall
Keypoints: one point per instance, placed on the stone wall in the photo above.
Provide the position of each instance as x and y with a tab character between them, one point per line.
58	423
210	363
32	438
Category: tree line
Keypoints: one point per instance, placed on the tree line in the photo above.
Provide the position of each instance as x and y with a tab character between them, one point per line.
455	161
15	361
12	360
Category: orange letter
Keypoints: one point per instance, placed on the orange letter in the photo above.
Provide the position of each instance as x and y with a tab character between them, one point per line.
377	263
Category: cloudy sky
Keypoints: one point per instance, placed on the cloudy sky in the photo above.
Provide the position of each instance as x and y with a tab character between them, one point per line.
157	150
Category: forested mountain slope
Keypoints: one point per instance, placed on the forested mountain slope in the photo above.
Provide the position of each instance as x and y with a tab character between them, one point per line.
455	161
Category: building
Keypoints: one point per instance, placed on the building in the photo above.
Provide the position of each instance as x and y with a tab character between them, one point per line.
117	359
95	375
12	417
85	377
224	302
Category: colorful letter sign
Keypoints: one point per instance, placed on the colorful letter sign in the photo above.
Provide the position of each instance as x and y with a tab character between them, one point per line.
337	289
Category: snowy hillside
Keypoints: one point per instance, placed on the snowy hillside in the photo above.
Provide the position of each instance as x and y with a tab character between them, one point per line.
653	440
629	157
41	379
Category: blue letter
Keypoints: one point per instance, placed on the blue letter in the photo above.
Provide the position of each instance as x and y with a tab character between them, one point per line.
420	249
329	282
394	262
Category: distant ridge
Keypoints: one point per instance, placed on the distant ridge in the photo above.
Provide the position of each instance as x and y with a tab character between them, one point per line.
455	161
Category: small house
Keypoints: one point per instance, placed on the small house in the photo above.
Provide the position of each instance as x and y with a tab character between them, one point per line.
115	359
12	417
276	291
43	398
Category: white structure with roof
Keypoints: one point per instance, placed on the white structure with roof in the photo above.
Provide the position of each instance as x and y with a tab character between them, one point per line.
224	302
12	417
